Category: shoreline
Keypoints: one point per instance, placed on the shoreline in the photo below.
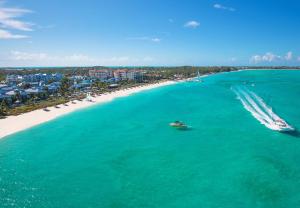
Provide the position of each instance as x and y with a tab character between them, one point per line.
13	124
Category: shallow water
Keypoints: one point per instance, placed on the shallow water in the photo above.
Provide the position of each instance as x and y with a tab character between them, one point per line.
124	154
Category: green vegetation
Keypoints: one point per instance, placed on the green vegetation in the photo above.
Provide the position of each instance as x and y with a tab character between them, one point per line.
67	71
182	72
100	86
64	87
65	94
2	77
3	109
30	106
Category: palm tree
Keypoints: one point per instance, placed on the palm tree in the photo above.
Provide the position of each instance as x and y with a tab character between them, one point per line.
64	87
3	108
19	96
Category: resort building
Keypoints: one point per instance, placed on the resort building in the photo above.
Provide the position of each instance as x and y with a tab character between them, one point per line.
135	75
120	74
42	77
124	74
14	78
34	91
101	74
106	75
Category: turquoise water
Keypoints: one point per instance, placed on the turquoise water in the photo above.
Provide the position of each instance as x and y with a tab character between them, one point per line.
124	154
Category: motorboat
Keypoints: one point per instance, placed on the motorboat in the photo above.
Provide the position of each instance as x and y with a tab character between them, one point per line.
179	125
283	126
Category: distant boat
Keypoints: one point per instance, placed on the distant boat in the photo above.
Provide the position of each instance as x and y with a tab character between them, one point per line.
179	125
198	77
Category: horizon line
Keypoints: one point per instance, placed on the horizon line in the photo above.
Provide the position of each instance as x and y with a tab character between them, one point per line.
152	66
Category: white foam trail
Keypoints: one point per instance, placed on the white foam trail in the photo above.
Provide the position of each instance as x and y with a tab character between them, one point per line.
264	105
256	107
260	110
252	110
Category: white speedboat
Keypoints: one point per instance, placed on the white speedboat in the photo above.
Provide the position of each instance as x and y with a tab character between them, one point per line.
283	126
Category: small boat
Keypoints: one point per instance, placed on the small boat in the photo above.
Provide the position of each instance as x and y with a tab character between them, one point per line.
179	125
283	126
198	79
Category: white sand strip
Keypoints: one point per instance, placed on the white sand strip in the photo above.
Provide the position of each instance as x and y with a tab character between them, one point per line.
13	124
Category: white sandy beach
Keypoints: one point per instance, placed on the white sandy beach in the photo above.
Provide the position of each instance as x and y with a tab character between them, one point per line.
13	124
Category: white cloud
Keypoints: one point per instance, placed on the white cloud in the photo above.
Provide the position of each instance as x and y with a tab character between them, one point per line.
9	19
289	56
78	57
145	38
192	24
147	59
10	13
233	59
4	34
270	57
121	59
156	40
125	61
25	56
15	24
219	6
255	59
21	58
298	59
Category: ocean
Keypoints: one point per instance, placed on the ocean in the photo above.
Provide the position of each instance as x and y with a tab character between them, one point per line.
125	154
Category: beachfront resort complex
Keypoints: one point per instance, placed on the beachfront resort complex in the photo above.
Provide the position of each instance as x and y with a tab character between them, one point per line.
149	104
23	90
18	88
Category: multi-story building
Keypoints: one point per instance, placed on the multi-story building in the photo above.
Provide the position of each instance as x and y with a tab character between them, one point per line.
134	75
116	74
42	77
120	74
124	74
101	74
13	79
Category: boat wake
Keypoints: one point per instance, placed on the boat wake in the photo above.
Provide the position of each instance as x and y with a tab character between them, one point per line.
260	110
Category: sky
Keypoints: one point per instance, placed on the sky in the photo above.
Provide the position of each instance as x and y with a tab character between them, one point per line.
149	32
